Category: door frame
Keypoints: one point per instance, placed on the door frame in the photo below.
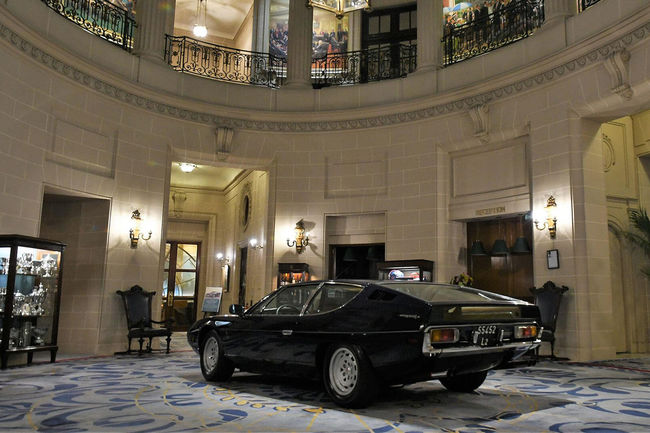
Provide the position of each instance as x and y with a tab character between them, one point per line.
171	281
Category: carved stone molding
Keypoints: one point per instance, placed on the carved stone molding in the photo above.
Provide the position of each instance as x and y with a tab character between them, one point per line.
223	136
463	104
609	156
617	64
479	115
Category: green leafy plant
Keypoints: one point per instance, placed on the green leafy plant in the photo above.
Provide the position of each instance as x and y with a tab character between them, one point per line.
641	235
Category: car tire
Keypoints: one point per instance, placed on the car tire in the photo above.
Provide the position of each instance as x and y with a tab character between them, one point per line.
214	365
348	376
467	382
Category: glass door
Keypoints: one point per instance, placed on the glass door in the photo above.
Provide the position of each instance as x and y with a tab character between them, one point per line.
180	285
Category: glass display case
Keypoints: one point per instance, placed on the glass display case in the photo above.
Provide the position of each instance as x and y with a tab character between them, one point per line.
289	273
30	292
413	270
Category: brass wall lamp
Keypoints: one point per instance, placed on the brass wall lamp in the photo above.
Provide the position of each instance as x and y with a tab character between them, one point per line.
302	238
551	218
134	231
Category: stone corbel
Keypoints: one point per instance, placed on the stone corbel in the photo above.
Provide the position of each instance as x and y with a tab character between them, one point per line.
617	64
479	115
224	142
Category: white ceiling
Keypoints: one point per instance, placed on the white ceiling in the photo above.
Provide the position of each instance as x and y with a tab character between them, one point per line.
204	177
224	17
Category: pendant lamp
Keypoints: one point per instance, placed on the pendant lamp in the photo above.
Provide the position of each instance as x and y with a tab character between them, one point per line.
499	248
521	246
477	249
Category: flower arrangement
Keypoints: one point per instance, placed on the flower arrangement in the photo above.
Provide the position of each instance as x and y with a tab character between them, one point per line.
462	279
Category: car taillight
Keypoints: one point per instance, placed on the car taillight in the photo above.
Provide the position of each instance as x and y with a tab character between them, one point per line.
526	331
444	335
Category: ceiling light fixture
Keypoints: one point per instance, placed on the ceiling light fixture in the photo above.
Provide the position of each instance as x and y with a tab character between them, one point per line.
200	30
187	167
339	7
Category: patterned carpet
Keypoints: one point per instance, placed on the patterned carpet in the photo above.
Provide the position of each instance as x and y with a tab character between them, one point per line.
166	393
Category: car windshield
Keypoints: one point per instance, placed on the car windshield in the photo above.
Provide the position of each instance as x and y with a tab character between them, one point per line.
443	292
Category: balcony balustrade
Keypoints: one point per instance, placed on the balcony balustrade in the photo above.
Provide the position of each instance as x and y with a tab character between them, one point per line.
363	66
188	55
99	17
515	21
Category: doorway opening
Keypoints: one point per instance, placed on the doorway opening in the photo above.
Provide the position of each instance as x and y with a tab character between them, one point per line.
181	282
80	221
355	261
243	258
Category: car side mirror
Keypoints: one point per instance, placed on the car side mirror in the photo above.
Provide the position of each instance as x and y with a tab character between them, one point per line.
236	309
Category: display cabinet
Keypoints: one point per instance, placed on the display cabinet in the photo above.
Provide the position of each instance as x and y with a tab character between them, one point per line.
289	273
30	291
415	270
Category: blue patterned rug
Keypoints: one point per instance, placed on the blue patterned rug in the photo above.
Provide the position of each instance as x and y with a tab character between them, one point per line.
166	393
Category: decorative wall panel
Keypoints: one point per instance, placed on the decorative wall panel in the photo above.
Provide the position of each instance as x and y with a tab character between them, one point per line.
350	178
618	158
489	182
83	148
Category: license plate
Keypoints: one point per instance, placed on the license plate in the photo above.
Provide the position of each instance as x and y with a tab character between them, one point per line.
486	335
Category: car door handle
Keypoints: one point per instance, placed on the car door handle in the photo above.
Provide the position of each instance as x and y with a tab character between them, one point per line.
287	332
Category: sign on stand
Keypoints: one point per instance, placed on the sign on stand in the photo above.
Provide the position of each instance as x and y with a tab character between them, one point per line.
212	299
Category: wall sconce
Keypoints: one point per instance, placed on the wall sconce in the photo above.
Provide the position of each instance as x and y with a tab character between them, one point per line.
302	238
134	231
551	218
221	260
254	244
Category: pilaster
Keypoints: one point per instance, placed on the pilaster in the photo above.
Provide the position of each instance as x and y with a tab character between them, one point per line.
299	49
430	23
153	21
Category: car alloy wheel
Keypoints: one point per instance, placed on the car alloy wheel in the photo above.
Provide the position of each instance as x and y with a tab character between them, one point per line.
343	371
348	376
210	353
214	365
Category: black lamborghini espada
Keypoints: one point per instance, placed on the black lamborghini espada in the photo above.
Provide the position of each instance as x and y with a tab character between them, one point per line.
358	335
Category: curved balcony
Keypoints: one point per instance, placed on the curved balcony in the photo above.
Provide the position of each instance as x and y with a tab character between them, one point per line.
117	73
98	17
508	24
195	57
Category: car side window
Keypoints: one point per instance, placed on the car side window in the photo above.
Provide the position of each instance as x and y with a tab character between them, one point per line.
331	297
288	300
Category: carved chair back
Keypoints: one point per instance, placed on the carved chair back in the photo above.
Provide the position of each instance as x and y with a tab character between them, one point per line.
548	298
137	306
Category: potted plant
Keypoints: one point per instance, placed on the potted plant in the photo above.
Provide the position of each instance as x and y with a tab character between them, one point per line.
641	235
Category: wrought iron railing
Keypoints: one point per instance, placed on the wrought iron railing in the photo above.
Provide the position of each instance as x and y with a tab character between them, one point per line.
98	17
584	4
354	67
515	21
223	63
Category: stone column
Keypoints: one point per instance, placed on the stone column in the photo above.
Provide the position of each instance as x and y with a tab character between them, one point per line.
152	19
354	36
261	11
299	49
430	22
558	10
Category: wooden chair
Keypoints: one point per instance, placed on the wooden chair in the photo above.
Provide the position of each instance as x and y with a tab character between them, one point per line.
548	299
137	306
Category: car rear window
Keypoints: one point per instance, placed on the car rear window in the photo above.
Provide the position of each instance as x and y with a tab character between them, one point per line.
431	292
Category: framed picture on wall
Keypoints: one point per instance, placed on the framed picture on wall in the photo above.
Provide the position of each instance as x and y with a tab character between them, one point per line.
225	277
552	259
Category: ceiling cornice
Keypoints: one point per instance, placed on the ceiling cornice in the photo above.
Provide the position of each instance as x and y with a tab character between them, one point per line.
587	53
